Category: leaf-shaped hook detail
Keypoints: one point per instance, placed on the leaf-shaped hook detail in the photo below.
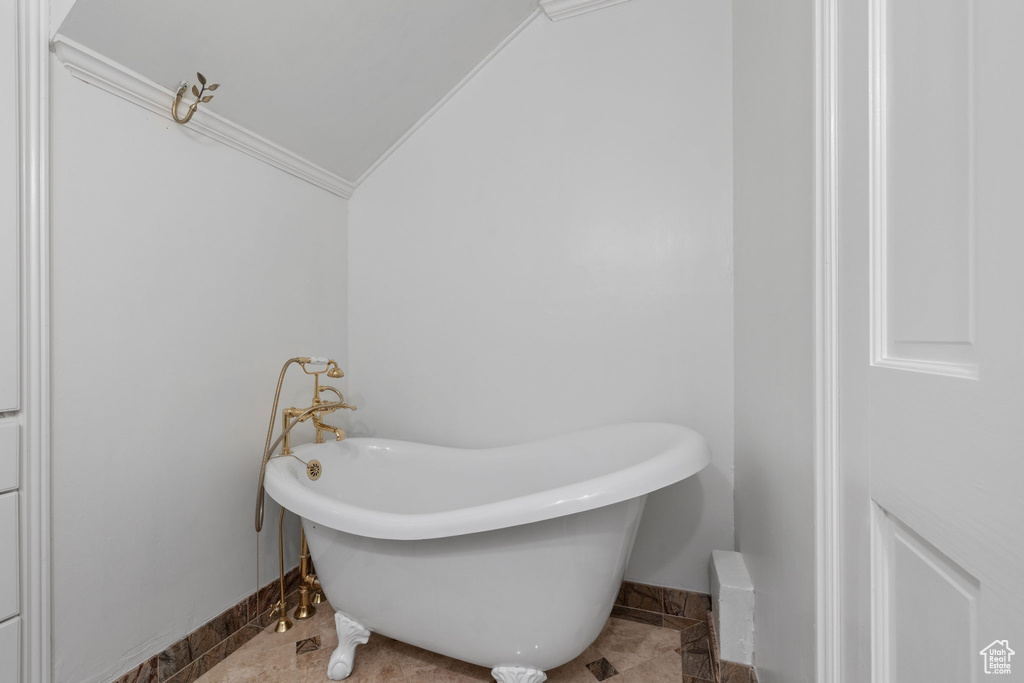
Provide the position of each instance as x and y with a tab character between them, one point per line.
197	93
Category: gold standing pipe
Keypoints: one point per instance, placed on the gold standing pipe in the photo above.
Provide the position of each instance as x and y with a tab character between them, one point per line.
282	623
286	416
305	609
309	589
316	593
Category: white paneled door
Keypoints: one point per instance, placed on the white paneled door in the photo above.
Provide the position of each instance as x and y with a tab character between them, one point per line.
930	121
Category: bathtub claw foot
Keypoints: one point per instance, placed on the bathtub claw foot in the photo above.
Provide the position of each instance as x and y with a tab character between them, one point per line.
350	634
518	674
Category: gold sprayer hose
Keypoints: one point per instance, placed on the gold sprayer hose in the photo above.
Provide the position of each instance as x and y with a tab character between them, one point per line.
270	435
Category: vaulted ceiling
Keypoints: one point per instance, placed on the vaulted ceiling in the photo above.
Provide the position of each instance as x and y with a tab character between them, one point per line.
335	82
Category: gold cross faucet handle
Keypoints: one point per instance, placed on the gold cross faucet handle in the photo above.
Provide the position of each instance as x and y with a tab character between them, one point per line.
341	399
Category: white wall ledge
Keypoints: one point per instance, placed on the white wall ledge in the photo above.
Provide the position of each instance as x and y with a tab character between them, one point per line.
732	606
564	9
95	69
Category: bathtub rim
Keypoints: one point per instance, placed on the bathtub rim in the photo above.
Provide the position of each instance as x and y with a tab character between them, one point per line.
686	455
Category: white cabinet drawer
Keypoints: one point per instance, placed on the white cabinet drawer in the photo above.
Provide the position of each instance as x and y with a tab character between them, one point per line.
10	650
8	555
8	457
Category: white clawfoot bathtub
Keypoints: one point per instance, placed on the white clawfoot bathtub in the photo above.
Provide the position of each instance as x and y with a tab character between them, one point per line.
509	557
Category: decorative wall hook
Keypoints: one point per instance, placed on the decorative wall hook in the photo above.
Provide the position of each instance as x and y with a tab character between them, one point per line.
195	91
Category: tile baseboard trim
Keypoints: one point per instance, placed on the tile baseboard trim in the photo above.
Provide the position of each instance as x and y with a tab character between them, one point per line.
661	606
203	648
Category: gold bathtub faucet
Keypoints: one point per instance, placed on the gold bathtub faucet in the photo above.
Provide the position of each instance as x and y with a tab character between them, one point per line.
314	412
309	590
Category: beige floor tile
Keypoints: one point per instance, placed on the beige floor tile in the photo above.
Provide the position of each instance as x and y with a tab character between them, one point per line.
378	666
289	676
375	662
627	644
576	671
423	666
274	663
573	675
319	623
666	668
312	667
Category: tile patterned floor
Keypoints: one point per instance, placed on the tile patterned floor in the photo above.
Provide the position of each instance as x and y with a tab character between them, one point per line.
626	652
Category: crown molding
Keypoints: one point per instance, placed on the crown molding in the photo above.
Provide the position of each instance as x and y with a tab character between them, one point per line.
95	69
564	9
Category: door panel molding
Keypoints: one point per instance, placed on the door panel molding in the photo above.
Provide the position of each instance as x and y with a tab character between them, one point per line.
34	165
904	566
826	344
922	254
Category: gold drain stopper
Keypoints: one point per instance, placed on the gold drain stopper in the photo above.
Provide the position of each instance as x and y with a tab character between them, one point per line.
314	469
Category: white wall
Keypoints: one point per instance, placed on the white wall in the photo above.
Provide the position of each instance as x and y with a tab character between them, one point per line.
552	251
773	99
183	274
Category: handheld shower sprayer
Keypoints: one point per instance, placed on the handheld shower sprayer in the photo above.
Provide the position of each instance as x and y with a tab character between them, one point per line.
333	370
